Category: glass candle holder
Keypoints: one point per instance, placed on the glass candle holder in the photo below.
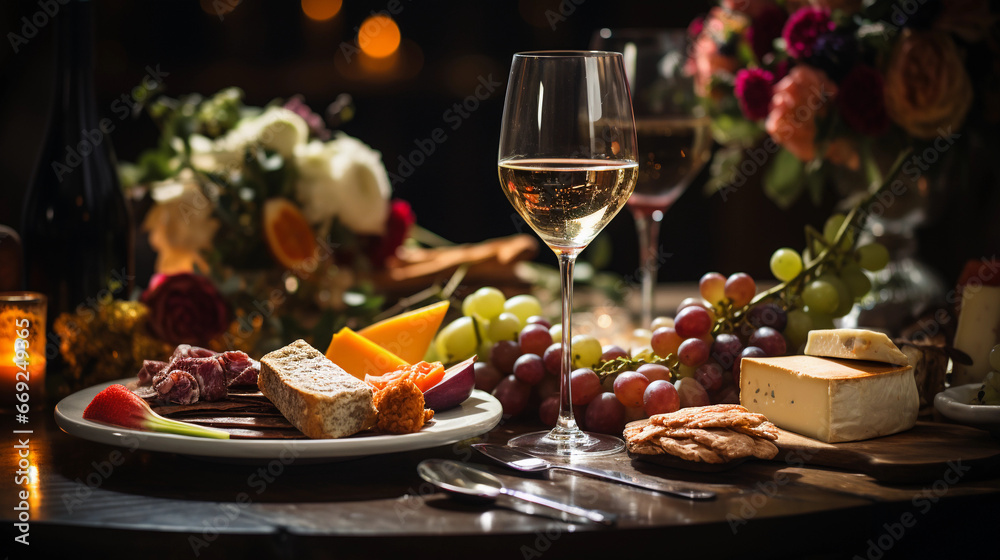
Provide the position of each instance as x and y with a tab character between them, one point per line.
22	350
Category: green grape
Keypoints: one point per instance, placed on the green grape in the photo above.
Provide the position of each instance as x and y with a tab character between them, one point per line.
992	379
586	351
820	320
798	327
485	303
643	352
990	395
661	322
786	264
504	327
685	371
832	226
524	306
483	352
873	256
555	331
821	296
995	357
857	281
845	300
459	339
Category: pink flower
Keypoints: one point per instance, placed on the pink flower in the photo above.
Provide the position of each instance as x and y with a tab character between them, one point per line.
695	27
401	219
766	27
706	62
861	101
798	98
753	91
802	30
185	308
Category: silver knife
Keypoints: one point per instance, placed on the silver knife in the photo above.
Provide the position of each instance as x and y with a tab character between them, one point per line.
519	460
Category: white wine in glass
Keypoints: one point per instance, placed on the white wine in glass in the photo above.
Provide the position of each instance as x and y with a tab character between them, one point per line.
567	164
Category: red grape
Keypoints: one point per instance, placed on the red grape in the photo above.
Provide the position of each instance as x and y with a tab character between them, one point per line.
693	322
693	352
726	349
553	358
654	372
529	368
730	395
691	392
748	352
548	411
539	320
740	289
660	397
534	339
513	395
768	315
584	386
693	302
712	287
629	387
709	375
487	376
665	341
611	351
605	415
769	340
548	386
504	354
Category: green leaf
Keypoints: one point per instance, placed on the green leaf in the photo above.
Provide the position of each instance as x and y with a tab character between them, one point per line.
725	165
784	179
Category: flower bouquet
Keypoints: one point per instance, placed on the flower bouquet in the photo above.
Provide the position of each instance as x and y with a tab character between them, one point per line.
802	87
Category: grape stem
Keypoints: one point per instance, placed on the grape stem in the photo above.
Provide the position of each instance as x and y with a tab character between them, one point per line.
854	221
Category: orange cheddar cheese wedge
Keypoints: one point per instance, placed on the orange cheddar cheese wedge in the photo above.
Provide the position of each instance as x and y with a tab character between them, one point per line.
359	356
408	335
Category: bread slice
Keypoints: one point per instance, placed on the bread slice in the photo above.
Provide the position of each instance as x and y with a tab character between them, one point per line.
314	394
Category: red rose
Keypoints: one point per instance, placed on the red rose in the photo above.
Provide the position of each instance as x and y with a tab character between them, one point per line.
397	229
861	102
185	308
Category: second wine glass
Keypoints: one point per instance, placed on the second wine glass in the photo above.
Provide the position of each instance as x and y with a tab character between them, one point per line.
674	136
567	165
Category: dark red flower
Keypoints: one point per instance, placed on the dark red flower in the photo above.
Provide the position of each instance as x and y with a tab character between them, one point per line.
697	24
803	28
753	91
185	308
765	29
861	101
397	229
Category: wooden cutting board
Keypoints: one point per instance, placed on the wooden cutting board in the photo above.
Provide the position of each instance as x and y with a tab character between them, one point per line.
924	453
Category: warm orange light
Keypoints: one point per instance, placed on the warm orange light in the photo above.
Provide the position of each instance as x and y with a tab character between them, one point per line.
378	36
321	10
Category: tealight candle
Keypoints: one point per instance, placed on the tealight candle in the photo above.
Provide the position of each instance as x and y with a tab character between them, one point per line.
22	350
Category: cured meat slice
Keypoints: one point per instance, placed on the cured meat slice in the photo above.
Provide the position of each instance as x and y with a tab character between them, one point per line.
209	373
148	370
240	368
188	351
177	386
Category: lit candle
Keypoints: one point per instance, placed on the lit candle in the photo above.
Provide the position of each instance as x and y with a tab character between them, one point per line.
22	350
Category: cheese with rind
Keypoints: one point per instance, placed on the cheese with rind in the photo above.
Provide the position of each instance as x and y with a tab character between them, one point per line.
854	344
829	399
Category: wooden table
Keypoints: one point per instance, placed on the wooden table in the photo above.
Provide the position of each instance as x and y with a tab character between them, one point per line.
88	497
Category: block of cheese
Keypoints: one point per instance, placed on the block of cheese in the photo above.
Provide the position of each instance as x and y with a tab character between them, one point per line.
977	332
314	394
829	399
360	356
854	344
408	335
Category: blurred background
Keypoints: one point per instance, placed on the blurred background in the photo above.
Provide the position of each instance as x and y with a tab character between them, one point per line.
447	54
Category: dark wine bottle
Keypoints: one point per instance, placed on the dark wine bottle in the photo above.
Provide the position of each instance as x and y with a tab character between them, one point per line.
77	228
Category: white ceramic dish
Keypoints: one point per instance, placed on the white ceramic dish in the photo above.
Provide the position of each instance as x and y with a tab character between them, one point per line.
954	404
477	415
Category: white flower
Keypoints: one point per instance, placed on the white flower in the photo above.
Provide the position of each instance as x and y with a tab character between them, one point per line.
276	129
363	184
344	179
180	224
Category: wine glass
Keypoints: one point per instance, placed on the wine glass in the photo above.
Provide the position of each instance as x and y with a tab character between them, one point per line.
673	132
567	164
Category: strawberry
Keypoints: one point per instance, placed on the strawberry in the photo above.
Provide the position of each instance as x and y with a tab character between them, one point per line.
121	407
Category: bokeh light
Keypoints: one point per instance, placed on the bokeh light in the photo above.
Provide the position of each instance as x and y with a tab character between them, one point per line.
321	10
378	36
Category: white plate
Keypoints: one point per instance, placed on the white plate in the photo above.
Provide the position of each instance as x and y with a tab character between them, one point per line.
954	404
479	414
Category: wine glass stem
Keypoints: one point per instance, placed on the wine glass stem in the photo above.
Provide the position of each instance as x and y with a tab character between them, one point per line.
648	229
566	423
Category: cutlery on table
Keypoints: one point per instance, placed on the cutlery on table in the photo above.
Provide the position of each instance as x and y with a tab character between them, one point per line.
519	460
463	480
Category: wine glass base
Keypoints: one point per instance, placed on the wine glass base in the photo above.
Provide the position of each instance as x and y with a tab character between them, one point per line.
565	444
